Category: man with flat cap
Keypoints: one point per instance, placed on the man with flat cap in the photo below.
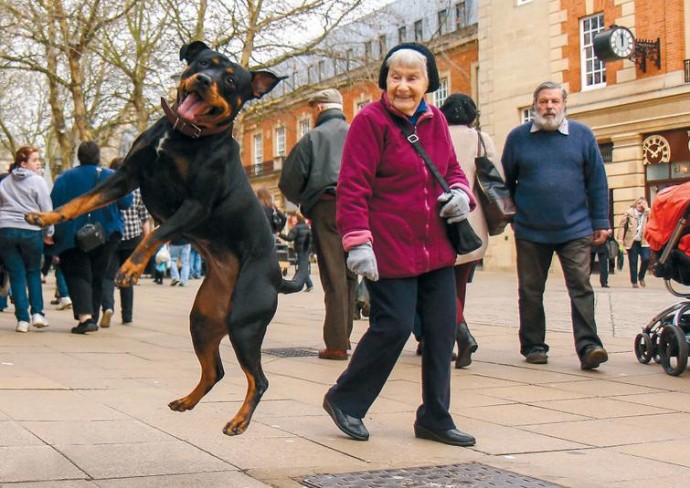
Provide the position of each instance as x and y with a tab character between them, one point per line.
309	178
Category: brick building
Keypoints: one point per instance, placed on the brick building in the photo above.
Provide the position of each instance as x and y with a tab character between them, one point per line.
625	102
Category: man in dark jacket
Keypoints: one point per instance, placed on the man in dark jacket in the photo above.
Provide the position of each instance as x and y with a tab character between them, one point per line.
309	177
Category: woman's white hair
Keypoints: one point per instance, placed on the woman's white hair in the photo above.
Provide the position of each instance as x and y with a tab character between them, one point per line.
408	58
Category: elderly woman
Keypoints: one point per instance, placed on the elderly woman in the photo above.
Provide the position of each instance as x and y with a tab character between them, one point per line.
390	212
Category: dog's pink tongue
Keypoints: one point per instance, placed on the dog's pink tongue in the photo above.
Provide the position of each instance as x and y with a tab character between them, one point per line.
193	106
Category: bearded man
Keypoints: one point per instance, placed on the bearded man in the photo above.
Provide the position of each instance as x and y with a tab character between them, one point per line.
557	179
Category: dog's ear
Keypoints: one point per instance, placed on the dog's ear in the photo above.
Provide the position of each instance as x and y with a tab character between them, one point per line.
190	51
263	82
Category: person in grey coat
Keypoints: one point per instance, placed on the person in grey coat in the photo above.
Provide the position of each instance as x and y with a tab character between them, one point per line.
309	178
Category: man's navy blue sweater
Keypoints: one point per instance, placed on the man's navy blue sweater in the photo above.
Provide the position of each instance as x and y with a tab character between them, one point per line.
558	183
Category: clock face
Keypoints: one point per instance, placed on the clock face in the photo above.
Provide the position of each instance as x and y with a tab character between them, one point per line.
656	150
622	42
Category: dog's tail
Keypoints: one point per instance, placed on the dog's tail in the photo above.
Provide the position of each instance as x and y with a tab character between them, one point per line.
297	282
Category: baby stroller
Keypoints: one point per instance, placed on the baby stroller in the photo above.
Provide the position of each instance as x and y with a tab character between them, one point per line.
666	337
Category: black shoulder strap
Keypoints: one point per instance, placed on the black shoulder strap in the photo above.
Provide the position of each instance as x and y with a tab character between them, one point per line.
410	134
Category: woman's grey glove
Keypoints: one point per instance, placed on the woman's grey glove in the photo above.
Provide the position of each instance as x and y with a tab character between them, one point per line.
456	207
362	261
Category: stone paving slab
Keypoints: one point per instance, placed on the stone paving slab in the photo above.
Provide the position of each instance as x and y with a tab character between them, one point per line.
93	409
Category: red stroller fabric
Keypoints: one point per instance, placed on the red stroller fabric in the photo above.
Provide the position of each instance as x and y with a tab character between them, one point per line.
667	209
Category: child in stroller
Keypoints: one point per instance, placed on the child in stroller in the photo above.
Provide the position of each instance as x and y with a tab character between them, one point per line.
666	337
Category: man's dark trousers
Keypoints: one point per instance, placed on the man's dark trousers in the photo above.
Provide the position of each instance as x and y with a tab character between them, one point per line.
339	283
533	262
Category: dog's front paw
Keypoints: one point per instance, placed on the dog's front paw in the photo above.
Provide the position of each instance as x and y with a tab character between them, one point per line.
128	275
43	219
236	426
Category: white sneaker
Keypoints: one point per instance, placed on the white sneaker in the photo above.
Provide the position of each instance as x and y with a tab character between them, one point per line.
105	319
39	321
64	303
22	326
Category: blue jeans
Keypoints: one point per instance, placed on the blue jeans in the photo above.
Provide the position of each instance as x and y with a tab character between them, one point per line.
60	282
195	263
21	251
643	252
182	252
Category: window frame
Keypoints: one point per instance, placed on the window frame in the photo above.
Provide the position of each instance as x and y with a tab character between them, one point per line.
442	19
444	88
303	126
418	30
280	138
587	57
258	148
460	20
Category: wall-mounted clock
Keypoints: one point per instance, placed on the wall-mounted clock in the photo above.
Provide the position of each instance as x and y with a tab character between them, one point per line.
656	149
614	43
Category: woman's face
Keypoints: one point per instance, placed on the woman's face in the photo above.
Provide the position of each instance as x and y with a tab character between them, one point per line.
405	87
33	163
641	205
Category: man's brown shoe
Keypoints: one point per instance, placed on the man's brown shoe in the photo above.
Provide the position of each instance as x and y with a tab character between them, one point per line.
335	354
593	357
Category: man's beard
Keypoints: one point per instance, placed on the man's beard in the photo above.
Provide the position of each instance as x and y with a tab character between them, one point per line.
549	124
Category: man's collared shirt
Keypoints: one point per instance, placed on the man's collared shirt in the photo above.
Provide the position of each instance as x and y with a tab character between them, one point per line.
563	128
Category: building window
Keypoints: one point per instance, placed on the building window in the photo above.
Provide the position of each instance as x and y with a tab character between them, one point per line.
442	21
322	70
280	141
348	59
460	15
525	114
367	50
606	150
303	127
402	34
441	94
418	31
382	46
258	149
593	71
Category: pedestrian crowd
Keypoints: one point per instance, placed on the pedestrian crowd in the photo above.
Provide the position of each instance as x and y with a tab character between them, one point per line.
368	207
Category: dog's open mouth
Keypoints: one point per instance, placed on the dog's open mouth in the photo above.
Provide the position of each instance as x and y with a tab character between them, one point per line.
193	107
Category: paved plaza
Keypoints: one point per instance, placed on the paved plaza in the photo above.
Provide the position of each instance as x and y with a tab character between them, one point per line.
87	411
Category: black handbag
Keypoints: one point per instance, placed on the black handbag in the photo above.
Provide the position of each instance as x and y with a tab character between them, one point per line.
492	192
91	235
462	237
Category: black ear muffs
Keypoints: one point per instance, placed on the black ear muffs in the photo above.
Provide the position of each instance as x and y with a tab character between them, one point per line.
189	52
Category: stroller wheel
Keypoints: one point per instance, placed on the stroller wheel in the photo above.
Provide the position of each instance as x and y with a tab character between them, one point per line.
655	347
643	348
673	350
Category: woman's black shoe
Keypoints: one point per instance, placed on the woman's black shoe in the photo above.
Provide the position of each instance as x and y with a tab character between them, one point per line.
452	437
466	346
84	327
351	426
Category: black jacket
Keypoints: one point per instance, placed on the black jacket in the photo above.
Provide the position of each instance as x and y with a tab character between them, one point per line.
313	165
301	234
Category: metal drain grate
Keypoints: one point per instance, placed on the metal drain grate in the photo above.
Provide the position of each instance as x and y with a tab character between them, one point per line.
449	476
290	352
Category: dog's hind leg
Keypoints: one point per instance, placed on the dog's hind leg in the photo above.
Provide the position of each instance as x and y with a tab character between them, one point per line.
254	304
208	326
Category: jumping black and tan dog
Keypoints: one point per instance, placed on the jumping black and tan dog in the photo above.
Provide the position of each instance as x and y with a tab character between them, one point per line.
192	181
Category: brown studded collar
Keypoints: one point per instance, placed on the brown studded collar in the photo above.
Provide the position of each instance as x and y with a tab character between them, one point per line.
188	128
